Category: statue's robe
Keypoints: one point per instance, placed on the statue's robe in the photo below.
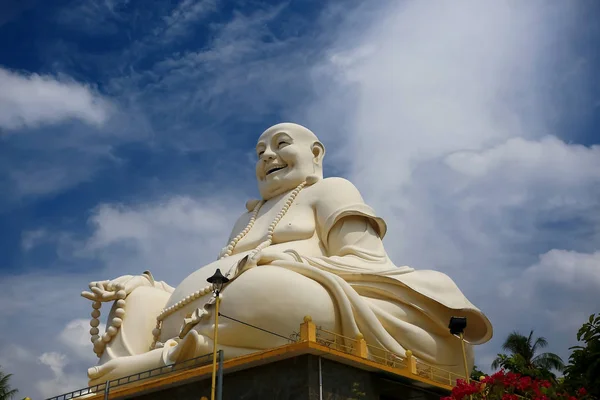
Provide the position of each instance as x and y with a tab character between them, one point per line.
339	273
395	308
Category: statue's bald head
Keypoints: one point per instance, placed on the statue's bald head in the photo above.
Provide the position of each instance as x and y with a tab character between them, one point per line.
298	132
288	154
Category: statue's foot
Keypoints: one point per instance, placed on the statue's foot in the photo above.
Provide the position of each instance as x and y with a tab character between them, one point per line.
194	345
101	370
124	366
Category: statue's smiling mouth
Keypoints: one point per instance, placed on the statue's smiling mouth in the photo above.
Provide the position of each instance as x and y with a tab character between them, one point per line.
274	168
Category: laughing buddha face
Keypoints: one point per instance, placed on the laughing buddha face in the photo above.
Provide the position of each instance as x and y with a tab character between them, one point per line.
287	154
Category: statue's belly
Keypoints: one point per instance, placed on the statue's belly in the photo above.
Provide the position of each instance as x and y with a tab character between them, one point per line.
267	296
195	281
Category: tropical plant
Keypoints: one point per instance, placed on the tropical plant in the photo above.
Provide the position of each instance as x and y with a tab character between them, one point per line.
523	357
476	373
6	393
512	386
584	361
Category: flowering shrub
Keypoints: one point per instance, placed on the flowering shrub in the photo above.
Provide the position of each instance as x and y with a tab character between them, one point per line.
510	386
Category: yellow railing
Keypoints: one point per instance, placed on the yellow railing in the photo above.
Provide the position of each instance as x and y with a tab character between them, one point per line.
436	374
359	347
382	356
336	341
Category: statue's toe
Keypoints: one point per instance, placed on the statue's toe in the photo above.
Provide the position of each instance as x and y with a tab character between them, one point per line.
101	370
93	372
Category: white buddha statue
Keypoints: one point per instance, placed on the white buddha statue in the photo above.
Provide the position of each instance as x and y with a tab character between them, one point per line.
310	246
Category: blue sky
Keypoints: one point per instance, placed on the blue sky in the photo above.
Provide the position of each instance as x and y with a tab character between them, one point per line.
127	131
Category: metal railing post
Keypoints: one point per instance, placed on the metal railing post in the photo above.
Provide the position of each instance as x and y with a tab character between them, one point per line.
216	331
464	353
106	390
308	330
220	376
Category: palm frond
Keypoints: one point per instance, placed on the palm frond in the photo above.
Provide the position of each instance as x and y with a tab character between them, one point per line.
540	343
6	393
548	361
497	362
4	380
516	343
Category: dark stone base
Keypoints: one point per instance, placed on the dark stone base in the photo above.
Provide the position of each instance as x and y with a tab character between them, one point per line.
298	378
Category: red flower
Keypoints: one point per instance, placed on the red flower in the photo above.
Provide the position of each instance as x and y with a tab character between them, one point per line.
511	379
463	389
498	376
511	386
545	384
536	388
524	383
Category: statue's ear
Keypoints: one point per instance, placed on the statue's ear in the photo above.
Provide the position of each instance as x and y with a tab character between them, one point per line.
318	151
251	204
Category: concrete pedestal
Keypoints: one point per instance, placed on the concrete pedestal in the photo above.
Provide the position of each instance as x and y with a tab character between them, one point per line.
304	377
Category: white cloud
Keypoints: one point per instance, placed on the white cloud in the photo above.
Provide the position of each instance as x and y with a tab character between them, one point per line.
183	15
94	17
171	238
37	181
549	158
575	271
424	89
16	354
41	342
446	116
29	101
31	239
55	361
441	115
239	76
578	273
554	296
76	337
61	380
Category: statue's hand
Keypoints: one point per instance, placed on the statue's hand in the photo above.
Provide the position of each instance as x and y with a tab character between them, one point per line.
263	257
268	255
120	287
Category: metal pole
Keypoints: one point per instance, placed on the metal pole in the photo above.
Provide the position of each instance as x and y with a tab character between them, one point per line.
106	389
220	377
464	352
320	380
214	369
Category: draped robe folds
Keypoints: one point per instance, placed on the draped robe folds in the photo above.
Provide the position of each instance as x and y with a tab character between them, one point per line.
327	260
394	308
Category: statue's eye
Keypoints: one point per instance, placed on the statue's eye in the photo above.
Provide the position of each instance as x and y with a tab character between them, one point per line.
282	144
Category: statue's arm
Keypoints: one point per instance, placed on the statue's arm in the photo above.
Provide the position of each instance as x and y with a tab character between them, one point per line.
158	284
355	236
347	225
122	286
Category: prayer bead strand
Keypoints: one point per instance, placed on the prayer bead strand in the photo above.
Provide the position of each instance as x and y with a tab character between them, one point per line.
229	251
100	342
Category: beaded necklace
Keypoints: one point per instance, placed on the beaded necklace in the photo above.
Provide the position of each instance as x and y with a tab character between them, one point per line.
100	342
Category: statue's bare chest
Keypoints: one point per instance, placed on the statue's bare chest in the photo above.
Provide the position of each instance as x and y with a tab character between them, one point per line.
298	223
